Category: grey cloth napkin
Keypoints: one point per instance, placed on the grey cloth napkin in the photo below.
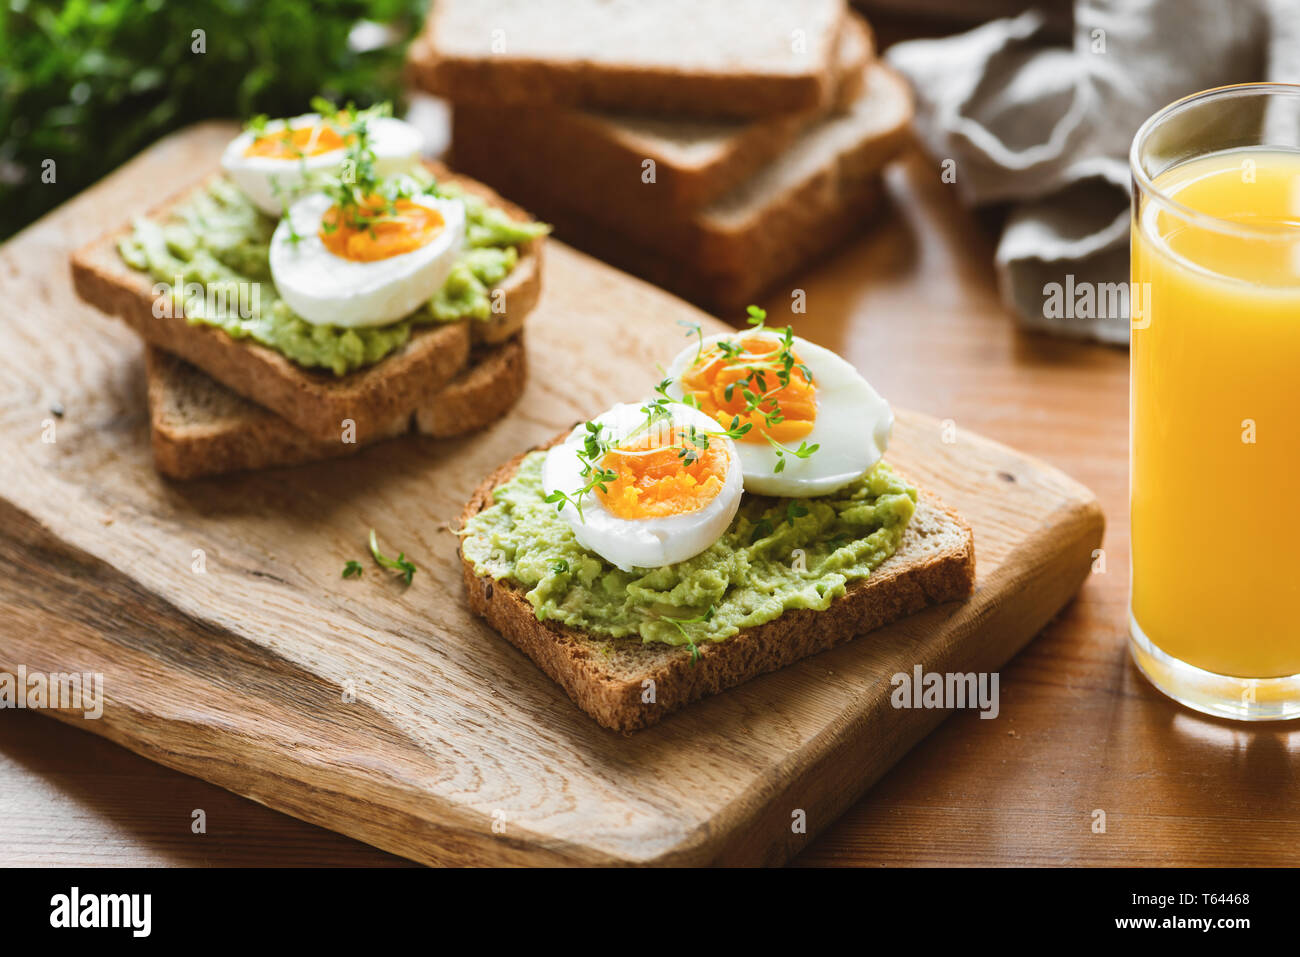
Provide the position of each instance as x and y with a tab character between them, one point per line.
1027	120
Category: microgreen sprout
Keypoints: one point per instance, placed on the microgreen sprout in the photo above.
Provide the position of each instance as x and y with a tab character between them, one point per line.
681	623
594	448
694	329
754	388
398	564
803	451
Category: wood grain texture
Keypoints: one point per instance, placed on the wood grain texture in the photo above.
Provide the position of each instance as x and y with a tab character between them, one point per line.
236	675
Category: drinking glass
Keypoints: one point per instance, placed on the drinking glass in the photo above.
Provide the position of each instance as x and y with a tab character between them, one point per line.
1214	404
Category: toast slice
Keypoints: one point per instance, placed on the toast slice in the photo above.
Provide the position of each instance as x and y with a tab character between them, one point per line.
740	58
757	225
695	161
605	677
316	402
198	427
726	292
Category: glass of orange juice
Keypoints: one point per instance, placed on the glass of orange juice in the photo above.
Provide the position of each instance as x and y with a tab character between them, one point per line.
1214	471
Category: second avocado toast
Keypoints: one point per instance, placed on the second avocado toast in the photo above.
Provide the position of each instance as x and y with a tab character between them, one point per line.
429	272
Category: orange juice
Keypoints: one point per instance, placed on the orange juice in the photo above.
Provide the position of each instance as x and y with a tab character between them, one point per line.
1215	430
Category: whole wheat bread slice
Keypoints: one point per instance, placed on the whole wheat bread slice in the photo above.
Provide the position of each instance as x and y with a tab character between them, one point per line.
695	160
198	427
764	226
606	677
739	58
726	292
317	402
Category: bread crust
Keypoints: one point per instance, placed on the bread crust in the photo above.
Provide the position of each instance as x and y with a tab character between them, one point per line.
317	402
240	435
610	686
509	79
728	292
611	148
482	393
728	253
753	222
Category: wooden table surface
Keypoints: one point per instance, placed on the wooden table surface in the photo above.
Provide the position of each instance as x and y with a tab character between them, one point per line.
1080	732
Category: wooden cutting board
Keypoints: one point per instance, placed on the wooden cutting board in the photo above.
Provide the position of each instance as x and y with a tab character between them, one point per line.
389	713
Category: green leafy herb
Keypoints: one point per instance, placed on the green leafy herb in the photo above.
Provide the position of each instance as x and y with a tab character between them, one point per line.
594	448
362	198
352	569
681	623
87	85
694	329
803	451
398	564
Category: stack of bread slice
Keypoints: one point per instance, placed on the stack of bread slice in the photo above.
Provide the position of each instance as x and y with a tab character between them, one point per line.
713	148
218	404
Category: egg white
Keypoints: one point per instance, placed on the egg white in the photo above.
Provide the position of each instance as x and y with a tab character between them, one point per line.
852	428
647	542
326	289
270	183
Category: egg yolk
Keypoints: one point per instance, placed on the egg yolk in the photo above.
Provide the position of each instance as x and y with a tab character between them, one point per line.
297	143
654	479
379	229
718	382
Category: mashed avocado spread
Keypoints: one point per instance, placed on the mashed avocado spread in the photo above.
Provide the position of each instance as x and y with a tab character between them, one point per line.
778	554
220	241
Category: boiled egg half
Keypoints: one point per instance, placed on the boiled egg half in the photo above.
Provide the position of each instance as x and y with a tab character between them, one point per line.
273	164
369	265
794	396
670	485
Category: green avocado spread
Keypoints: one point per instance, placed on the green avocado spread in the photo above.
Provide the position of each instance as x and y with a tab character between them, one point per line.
778	554
218	240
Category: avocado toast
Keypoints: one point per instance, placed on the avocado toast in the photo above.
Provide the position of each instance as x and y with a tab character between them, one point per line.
314	401
739	520
608	677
